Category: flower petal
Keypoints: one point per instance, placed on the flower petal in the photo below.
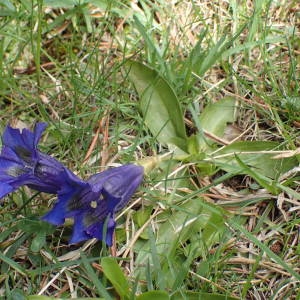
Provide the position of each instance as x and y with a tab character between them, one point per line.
56	215
120	182
103	229
49	174
15	138
38	131
105	193
21	163
68	192
93	203
5	189
79	233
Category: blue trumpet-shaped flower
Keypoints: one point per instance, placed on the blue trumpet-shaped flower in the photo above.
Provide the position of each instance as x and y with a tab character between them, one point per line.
93	203
21	163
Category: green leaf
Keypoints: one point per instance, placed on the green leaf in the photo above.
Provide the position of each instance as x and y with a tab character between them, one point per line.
193	216
71	3
159	105
6	260
189	220
212	56
94	278
38	297
35	226
57	3
255	154
158	273
262	180
115	275
216	116
142	215
214	119
17	294
157	295
12	264
6	9
38	242
201	296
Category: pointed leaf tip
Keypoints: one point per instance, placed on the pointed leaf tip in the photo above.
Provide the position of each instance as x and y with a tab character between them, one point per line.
159	105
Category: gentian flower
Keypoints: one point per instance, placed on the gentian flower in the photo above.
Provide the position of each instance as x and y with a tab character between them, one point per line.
21	163
93	203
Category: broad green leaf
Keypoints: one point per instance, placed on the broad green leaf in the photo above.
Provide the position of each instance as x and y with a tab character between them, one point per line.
178	225
194	148
216	116
186	222
154	295
201	296
38	242
35	226
214	120
142	215
158	274
17	294
256	155
159	105
6	9
262	180
71	3
38	297
213	228
191	216
57	3
115	275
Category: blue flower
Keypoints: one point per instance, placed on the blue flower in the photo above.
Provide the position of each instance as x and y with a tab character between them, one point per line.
93	203
21	163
